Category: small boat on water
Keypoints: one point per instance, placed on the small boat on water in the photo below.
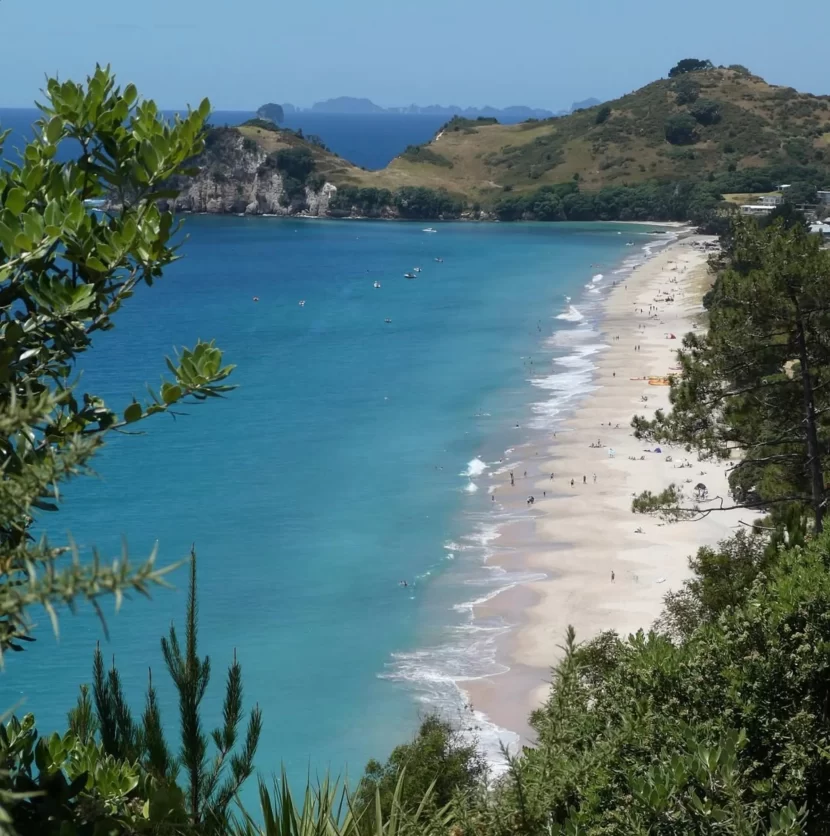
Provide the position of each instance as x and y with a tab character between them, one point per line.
409	275
429	229
387	321
302	303
376	284
416	269
440	260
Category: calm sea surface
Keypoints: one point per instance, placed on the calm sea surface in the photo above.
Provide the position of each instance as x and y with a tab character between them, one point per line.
370	140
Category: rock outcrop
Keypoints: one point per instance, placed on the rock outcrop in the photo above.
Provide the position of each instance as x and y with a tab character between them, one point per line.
235	177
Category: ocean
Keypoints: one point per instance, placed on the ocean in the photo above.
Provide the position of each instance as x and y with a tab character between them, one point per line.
354	455
370	141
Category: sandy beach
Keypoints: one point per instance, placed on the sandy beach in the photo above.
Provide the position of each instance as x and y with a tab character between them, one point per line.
606	568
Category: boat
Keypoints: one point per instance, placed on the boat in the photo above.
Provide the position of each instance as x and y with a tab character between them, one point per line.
416	269
409	275
302	303
387	320
440	260
429	229
376	284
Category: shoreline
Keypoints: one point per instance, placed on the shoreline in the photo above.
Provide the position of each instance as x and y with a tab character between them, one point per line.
576	536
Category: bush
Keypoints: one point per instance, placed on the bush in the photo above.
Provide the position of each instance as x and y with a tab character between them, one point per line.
681	129
296	163
687	91
438	753
602	114
422	154
706	112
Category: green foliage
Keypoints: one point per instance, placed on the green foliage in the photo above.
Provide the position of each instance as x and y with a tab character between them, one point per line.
706	112
439	762
687	90
723	730
756	383
367	203
644	201
296	162
422	154
110	771
468	126
603	114
64	273
328	810
689	65
681	129
418	202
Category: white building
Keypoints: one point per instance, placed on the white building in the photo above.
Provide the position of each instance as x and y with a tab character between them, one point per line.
821	229
756	209
824	197
771	200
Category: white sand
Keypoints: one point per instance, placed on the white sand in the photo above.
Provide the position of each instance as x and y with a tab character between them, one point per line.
582	534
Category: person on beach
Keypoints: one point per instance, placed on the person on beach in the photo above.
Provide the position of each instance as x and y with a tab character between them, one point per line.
551	477
612	576
572	482
595	478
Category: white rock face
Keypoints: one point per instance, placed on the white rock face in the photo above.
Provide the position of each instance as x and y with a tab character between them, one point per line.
236	178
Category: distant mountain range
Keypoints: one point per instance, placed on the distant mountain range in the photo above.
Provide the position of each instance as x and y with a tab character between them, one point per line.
516	113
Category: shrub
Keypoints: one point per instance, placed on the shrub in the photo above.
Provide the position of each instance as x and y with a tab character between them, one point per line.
602	114
681	129
687	91
706	112
296	163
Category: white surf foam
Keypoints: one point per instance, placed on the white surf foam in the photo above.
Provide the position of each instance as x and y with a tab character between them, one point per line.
475	467
598	278
571	315
471	487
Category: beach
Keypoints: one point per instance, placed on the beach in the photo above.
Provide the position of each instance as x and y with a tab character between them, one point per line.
605	567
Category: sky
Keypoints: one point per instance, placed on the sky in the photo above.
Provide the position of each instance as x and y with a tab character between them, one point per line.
541	53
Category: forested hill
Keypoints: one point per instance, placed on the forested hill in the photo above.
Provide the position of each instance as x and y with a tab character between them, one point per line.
667	151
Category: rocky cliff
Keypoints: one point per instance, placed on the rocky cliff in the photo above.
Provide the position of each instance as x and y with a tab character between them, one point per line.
237	176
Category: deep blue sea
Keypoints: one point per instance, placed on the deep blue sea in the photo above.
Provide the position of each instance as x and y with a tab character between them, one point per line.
370	141
354	454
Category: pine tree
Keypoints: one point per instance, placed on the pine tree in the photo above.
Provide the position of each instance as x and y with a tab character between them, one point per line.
754	387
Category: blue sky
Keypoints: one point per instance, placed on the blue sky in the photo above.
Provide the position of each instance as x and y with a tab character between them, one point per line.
544	53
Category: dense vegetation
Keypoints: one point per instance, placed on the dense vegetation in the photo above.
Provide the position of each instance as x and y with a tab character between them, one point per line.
714	722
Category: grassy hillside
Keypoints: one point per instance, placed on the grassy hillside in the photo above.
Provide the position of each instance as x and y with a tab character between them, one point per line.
667	151
737	121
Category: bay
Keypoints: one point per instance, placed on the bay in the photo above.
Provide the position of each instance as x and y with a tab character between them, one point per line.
339	467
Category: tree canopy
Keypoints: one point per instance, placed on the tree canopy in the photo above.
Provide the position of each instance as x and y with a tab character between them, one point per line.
690	65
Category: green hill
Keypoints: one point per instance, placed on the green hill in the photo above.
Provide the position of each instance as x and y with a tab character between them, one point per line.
669	150
716	121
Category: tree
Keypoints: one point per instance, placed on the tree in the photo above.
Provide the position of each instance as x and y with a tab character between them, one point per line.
687	90
603	114
64	273
440	761
689	65
681	129
706	112
755	384
140	793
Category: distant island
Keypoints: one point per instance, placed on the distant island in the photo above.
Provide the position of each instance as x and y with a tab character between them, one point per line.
516	113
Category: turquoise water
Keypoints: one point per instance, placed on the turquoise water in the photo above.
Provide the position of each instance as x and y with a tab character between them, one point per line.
335	470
